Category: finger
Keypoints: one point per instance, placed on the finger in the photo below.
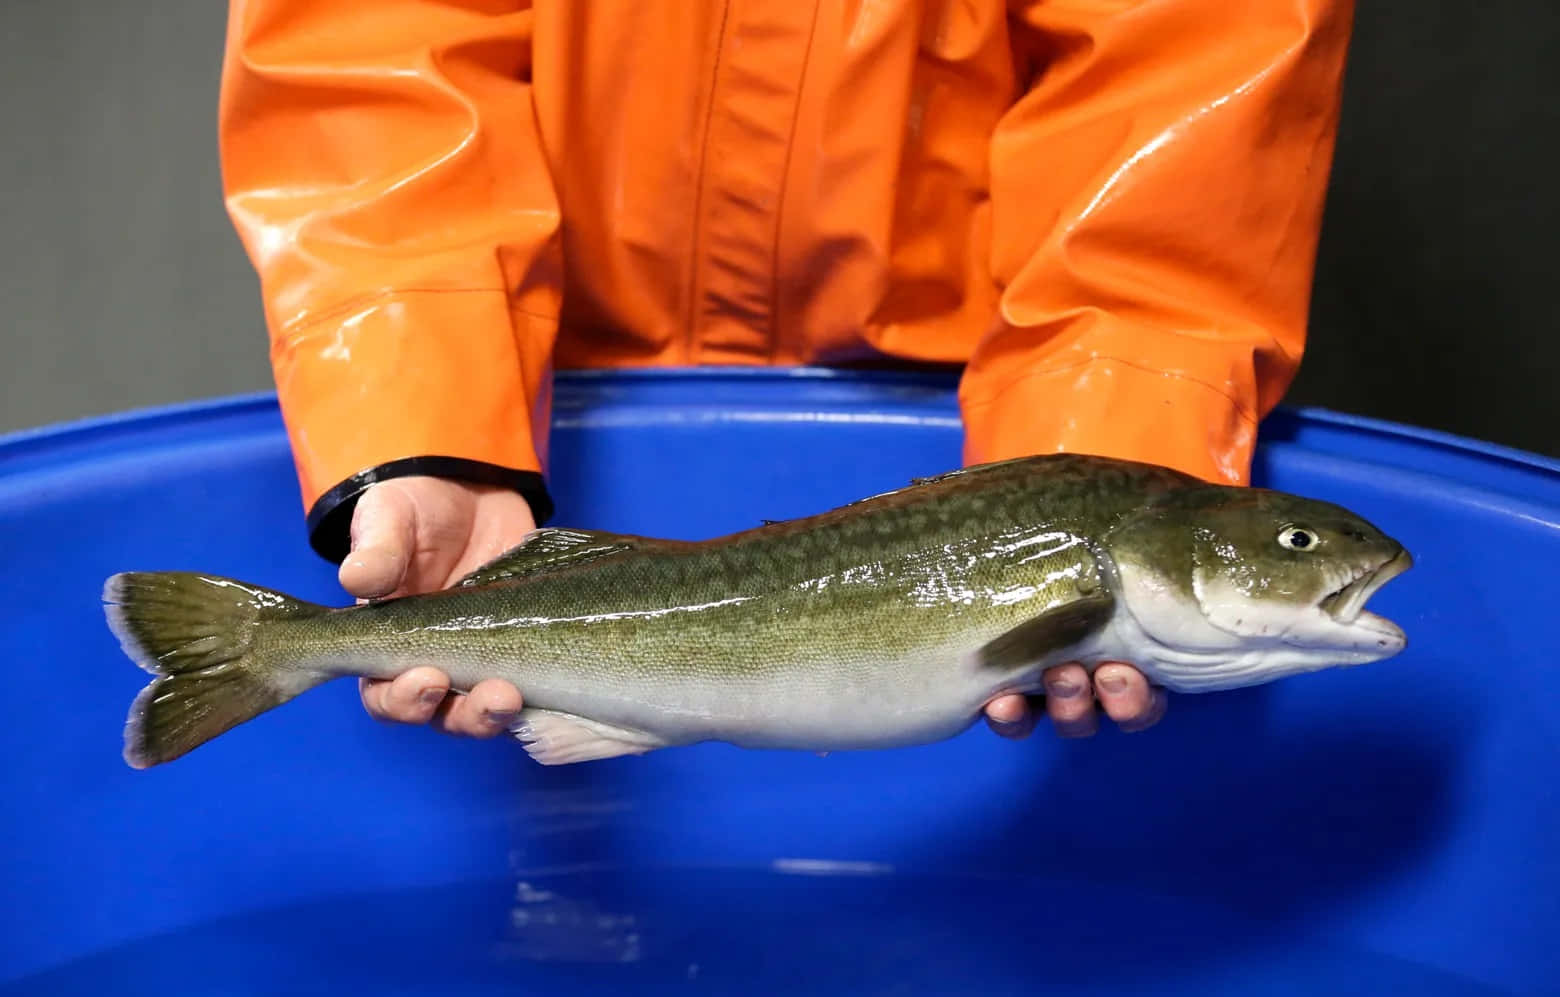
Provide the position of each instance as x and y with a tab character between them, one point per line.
1159	702
383	539
1068	702
487	710
372	692
411	698
1124	695
1010	716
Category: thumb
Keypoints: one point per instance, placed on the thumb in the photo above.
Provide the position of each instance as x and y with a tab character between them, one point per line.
383	541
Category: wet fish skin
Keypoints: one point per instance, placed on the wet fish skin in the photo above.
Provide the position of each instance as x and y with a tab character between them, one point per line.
889	621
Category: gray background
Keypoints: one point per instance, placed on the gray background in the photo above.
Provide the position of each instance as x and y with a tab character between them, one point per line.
122	283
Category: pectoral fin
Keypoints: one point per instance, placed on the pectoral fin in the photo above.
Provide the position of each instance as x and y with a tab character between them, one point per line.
1054	630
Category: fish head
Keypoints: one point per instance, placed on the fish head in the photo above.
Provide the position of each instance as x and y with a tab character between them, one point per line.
1240	586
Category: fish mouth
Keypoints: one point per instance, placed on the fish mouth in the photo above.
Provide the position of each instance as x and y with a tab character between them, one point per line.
1346	605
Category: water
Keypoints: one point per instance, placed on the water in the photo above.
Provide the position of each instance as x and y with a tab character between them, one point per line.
796	928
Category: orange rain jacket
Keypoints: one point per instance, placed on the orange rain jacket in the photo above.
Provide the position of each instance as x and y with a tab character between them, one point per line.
1107	210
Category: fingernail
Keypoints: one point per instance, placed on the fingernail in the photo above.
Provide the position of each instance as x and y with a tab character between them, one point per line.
1113	683
498	718
431	697
1064	690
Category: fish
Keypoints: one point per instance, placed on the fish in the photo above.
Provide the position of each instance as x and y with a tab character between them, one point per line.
887	622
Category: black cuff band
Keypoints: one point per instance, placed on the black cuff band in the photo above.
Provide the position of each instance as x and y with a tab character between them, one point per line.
330	521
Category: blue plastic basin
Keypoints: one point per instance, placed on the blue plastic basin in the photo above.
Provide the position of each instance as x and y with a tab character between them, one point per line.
1387	829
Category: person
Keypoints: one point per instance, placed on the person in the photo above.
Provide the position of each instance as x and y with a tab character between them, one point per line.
1104	213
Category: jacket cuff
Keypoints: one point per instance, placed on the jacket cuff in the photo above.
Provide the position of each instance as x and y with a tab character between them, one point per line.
411	373
330	518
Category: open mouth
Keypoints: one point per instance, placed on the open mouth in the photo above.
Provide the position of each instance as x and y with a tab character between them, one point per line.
1347	604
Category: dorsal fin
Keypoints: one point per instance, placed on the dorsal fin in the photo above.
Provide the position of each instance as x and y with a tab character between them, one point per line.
971	470
928	479
549	549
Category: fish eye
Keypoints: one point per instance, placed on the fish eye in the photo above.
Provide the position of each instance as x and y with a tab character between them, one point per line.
1298	538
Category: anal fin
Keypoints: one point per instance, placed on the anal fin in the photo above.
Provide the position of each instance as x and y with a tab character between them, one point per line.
555	738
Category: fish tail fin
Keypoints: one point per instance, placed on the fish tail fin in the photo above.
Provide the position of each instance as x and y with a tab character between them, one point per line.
197	635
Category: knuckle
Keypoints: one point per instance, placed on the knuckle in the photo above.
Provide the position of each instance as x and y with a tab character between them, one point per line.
1064	710
465	719
1070	699
447	723
1014	731
1141	721
1076	729
1128	712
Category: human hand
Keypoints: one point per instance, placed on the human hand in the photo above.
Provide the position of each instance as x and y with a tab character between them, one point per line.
1122	691
418	534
